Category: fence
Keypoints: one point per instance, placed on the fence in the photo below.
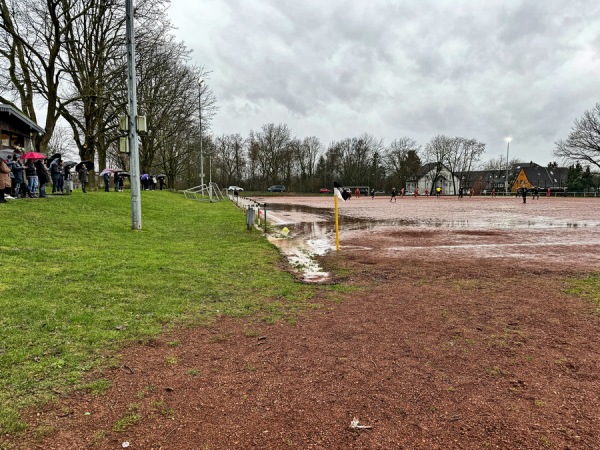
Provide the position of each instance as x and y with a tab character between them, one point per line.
258	214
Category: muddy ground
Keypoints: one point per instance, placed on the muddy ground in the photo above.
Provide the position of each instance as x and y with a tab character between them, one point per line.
460	333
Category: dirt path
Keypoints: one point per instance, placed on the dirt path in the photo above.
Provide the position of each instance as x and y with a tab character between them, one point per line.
433	350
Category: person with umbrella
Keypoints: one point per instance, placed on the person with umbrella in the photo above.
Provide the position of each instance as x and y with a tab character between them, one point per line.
55	174
106	177
61	179
144	180
161	180
32	177
84	175
43	176
118	180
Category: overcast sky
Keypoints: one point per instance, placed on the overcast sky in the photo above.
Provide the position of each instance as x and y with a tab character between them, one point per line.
337	69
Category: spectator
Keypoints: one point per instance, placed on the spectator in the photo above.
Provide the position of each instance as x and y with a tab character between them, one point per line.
32	178
55	175
118	180
106	177
43	176
84	175
68	179
4	179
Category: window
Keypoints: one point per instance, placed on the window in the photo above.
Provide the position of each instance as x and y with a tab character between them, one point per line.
9	139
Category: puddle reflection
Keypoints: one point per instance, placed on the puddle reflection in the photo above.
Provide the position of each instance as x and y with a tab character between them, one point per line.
312	230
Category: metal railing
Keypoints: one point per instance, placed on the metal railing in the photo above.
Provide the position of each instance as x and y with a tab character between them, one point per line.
259	210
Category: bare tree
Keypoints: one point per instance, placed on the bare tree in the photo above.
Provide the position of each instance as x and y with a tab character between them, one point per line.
402	160
31	42
583	143
437	151
229	158
306	153
353	157
464	156
270	151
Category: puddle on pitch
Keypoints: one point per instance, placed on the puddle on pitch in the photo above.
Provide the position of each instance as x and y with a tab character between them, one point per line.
311	231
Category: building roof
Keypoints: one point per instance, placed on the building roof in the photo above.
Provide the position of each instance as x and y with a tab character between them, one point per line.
12	111
544	176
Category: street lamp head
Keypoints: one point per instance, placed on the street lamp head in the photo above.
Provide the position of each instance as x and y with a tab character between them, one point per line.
508	139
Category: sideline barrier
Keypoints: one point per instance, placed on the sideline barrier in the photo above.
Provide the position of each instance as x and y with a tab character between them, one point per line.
258	214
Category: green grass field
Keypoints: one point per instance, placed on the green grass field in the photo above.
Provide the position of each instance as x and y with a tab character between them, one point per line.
76	282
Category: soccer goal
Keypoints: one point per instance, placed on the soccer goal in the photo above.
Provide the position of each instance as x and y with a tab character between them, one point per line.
204	193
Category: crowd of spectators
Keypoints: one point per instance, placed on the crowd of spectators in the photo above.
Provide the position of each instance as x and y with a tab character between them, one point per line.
21	178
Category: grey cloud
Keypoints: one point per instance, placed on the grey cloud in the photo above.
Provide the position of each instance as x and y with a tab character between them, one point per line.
461	67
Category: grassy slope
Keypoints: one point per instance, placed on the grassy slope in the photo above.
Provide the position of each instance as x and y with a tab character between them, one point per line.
76	280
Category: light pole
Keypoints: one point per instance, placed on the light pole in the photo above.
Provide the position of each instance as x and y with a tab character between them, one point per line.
508	139
132	136
200	83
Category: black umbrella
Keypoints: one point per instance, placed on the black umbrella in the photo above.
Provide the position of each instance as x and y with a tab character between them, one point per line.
161	175
88	164
124	174
69	164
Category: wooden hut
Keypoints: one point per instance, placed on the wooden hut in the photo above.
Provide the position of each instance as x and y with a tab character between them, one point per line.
16	129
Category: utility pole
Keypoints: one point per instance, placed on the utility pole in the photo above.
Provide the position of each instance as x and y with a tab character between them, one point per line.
132	136
200	83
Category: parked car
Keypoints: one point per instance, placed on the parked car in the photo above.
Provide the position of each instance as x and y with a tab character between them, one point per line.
235	188
276	188
324	191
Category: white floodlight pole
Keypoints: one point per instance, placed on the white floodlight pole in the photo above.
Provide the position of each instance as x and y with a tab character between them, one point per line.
508	139
134	163
200	82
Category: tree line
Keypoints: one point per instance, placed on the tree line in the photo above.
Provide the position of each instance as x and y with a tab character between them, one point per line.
68	57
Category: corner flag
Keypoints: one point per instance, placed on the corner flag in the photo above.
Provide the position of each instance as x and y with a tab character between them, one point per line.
340	192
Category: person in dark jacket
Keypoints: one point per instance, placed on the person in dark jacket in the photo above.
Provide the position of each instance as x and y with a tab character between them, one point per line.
118	181
84	176
524	194
32	177
55	175
43	176
106	177
20	188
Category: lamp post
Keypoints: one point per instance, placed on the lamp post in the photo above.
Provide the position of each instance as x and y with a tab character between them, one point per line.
132	136
200	83
508	139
